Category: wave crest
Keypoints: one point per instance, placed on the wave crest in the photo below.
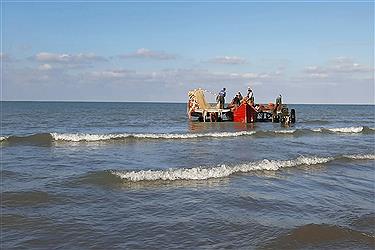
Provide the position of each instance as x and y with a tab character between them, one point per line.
347	130
360	157
203	173
285	131
77	137
101	137
47	138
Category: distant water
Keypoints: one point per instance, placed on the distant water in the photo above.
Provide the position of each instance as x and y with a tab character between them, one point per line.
140	175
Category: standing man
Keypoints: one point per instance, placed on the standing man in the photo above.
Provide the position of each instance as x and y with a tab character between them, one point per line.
278	100
250	95
278	103
221	98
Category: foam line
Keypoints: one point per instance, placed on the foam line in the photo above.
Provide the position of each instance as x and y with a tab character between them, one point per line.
347	130
85	137
203	173
101	137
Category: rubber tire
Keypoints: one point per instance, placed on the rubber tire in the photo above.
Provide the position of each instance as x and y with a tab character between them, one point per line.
276	119
293	116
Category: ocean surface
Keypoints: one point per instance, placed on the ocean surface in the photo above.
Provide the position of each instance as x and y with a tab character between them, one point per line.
141	176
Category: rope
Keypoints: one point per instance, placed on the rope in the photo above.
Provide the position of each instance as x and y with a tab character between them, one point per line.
205	90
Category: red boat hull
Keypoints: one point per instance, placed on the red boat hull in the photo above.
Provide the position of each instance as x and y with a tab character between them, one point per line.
245	113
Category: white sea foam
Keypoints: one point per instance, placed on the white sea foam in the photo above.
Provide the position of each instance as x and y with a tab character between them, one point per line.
317	129
203	173
86	137
285	131
101	137
347	130
80	137
340	130
361	157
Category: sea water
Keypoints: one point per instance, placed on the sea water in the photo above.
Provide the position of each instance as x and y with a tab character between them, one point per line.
141	175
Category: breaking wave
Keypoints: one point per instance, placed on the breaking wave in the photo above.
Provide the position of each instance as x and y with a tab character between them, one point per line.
360	157
82	137
45	138
204	173
360	129
98	137
285	131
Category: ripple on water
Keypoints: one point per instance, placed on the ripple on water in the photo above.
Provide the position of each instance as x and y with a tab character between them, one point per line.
323	236
27	198
365	223
16	221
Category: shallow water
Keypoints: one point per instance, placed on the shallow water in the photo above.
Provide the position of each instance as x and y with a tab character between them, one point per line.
140	175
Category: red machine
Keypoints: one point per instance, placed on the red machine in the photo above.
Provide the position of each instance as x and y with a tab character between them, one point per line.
245	113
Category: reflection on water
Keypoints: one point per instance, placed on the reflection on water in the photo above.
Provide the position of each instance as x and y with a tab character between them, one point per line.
205	127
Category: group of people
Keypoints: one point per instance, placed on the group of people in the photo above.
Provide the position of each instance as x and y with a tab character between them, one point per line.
236	101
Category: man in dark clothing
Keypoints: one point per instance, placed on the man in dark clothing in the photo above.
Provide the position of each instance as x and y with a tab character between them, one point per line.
239	96
236	100
221	98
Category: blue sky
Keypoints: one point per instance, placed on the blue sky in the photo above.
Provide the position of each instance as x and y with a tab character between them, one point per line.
309	52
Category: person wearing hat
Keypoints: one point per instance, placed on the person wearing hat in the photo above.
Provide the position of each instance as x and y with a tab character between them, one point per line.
250	95
278	100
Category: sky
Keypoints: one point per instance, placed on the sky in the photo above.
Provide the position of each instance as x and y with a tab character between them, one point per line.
310	52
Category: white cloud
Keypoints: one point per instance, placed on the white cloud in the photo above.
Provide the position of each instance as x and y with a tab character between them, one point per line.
67	58
106	84
149	54
45	66
348	65
339	65
187	76
228	60
112	74
39	75
339	71
318	75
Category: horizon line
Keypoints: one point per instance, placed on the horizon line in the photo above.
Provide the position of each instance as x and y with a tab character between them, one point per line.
97	101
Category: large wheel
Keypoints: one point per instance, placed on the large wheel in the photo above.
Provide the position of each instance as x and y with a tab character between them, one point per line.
292	116
276	118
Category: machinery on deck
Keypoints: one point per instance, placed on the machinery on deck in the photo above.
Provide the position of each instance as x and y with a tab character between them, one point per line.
246	112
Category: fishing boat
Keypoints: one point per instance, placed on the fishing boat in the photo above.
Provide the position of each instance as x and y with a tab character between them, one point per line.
245	112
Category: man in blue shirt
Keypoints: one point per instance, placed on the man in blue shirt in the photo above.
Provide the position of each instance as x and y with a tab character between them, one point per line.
221	98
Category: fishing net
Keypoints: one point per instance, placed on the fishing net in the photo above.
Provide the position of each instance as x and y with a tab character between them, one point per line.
198	100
